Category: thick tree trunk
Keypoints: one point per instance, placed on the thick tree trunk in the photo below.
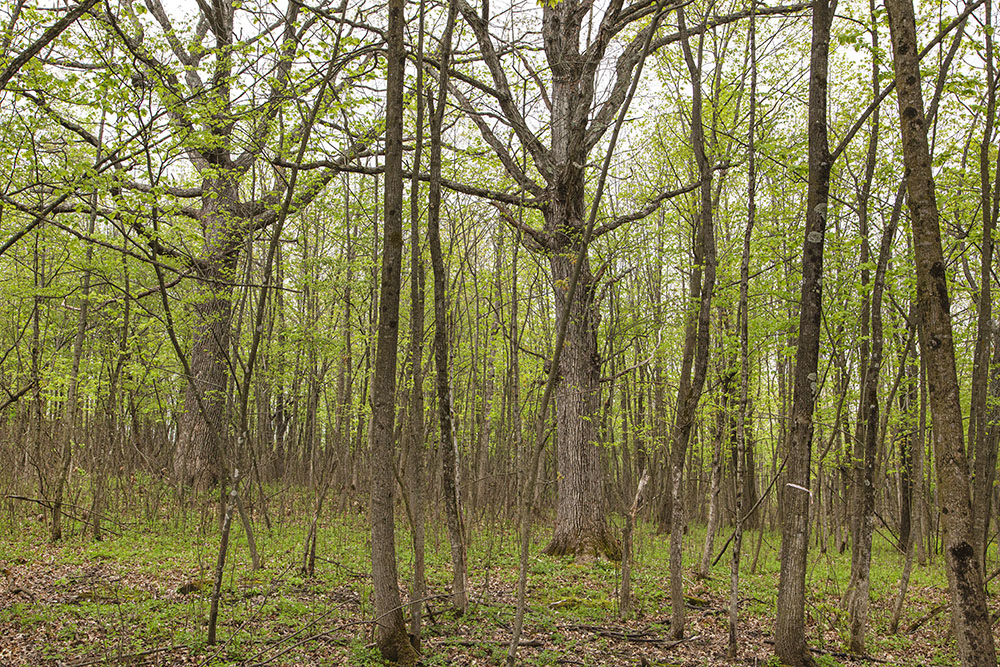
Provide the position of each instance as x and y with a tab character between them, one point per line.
197	458
581	526
203	422
789	632
970	615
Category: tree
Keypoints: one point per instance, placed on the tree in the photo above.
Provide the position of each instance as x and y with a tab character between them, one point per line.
742	325
969	613
694	363
789	632
205	111
578	119
393	642
442	357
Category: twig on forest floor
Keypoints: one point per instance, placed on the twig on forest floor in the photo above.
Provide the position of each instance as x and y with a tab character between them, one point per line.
934	611
122	658
839	654
533	643
623	634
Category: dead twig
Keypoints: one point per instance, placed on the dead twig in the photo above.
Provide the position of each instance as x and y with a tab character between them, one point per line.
126	657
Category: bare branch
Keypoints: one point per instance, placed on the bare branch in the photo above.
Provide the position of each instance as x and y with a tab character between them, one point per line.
527	138
651	205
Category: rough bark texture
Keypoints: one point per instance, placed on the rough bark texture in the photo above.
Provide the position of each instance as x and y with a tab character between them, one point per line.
789	632
391	636
581	526
970	616
198	459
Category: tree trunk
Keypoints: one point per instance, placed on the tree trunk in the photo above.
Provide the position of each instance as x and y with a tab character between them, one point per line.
970	616
742	326
789	632
204	420
694	363
452	503
68	425
982	433
859	588
391	637
581	526
415	435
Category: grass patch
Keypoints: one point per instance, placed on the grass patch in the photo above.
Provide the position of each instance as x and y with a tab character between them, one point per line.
144	595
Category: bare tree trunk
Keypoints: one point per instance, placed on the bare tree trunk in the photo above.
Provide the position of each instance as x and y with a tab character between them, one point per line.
68	425
859	588
742	317
982	433
970	616
789	632
859	601
456	533
415	460
715	485
696	337
912	465
393	643
626	605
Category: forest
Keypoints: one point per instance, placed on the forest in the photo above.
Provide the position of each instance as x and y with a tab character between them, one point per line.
533	332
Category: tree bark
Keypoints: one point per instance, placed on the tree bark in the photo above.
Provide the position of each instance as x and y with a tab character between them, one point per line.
415	458
742	326
982	433
859	588
789	633
694	363
970	616
391	637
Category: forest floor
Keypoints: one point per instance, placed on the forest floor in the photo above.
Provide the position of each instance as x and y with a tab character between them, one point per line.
142	597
